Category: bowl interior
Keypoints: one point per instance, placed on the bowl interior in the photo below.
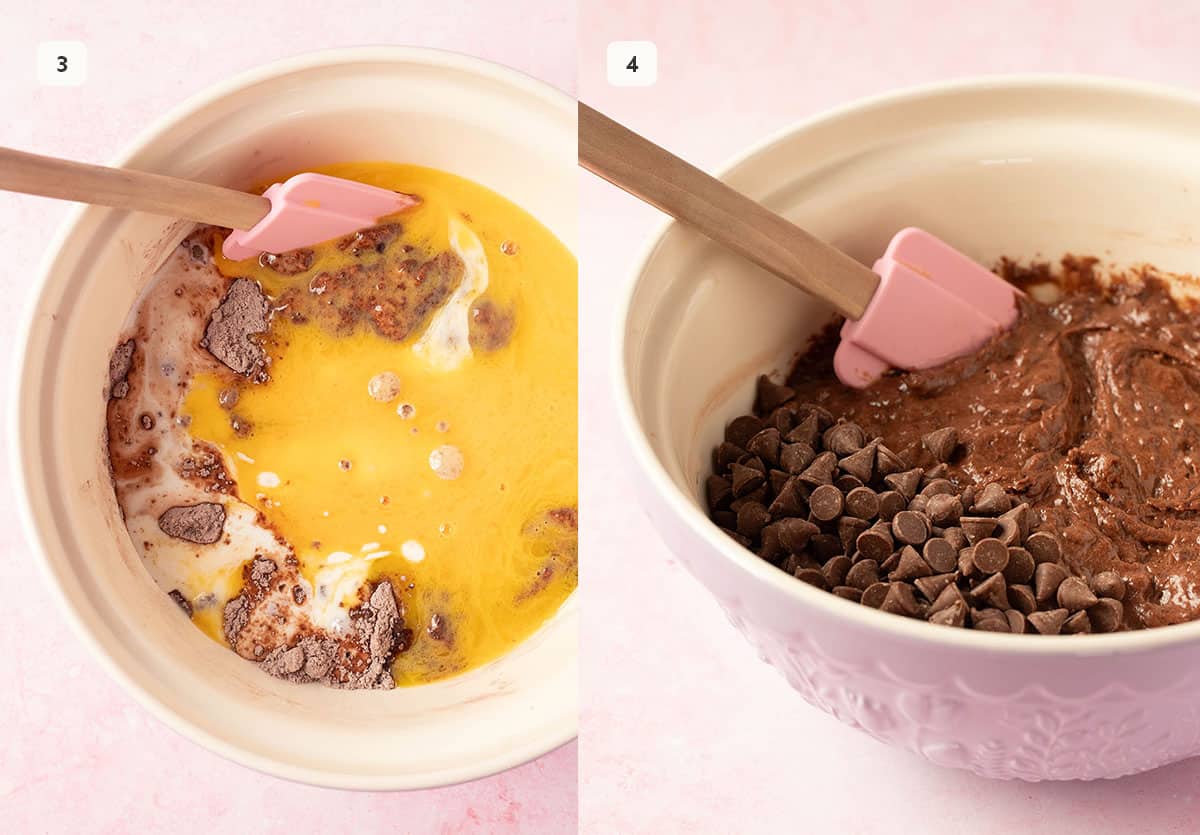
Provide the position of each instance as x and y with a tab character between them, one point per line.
437	109
1026	168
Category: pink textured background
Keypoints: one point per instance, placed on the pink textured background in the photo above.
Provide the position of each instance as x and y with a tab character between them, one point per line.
683	729
76	753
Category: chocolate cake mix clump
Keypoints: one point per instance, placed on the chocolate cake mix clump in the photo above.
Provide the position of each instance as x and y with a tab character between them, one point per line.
1086	416
201	523
243	313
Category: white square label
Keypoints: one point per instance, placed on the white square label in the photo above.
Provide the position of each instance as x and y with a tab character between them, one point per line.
632	63
61	63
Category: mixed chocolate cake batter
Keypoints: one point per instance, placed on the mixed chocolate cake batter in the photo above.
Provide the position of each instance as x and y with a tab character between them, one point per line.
1086	415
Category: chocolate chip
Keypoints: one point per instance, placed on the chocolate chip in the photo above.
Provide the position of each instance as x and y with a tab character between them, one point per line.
911	566
1007	531
782	419
821	470
887	462
1016	621
737	537
1023	517
1105	615
745	479
795	534
826	502
890	503
718	491
1077	624
1048	623
823	415
991	501
940	554
991	555
725	455
751	519
825	546
1047	577
1073	594
944	509
900	600
937	487
863	574
948	596
772	395
910	527
905	483
847	482
844	438
919	503
993	591
935	473
954	614
805	432
862	503
201	523
724	518
989	620
974	527
741	429
956	537
1021	598
966	562
776	479
796	457
889	565
789	501
933	585
849	529
849	593
1108	584
811	576
1020	566
1044	547
836	570
765	445
860	464
874	595
941	443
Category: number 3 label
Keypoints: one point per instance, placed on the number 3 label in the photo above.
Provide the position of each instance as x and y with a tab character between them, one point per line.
61	63
632	63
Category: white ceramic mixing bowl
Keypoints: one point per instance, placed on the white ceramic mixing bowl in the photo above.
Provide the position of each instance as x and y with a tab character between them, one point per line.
482	121
1030	167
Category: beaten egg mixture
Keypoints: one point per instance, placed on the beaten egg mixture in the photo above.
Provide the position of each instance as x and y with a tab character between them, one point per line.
407	418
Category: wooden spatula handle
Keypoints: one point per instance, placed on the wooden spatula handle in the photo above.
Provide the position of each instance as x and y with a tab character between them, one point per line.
125	189
683	191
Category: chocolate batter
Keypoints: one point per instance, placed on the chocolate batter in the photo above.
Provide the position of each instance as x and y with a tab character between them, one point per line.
1089	409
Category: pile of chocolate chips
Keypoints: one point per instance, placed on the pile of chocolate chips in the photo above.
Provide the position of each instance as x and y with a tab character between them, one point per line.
815	497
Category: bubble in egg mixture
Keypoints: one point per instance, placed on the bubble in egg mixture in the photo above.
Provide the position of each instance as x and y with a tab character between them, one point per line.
406	410
446	461
384	387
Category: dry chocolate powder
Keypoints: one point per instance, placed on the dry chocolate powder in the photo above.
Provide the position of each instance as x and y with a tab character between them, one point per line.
200	523
243	311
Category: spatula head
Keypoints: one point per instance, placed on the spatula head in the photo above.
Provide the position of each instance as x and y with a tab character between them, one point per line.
310	208
933	304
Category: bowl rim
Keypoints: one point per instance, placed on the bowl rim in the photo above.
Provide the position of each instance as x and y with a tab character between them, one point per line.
555	735
805	595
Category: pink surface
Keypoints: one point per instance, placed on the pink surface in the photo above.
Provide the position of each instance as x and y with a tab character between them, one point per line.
76	753
683	728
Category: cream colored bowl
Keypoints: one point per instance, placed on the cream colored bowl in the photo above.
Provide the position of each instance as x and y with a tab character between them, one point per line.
1026	167
482	121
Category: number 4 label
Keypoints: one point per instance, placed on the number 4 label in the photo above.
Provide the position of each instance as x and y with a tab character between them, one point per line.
61	63
632	63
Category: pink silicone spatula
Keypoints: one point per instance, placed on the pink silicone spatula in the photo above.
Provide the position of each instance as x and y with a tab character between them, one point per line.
303	210
924	303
